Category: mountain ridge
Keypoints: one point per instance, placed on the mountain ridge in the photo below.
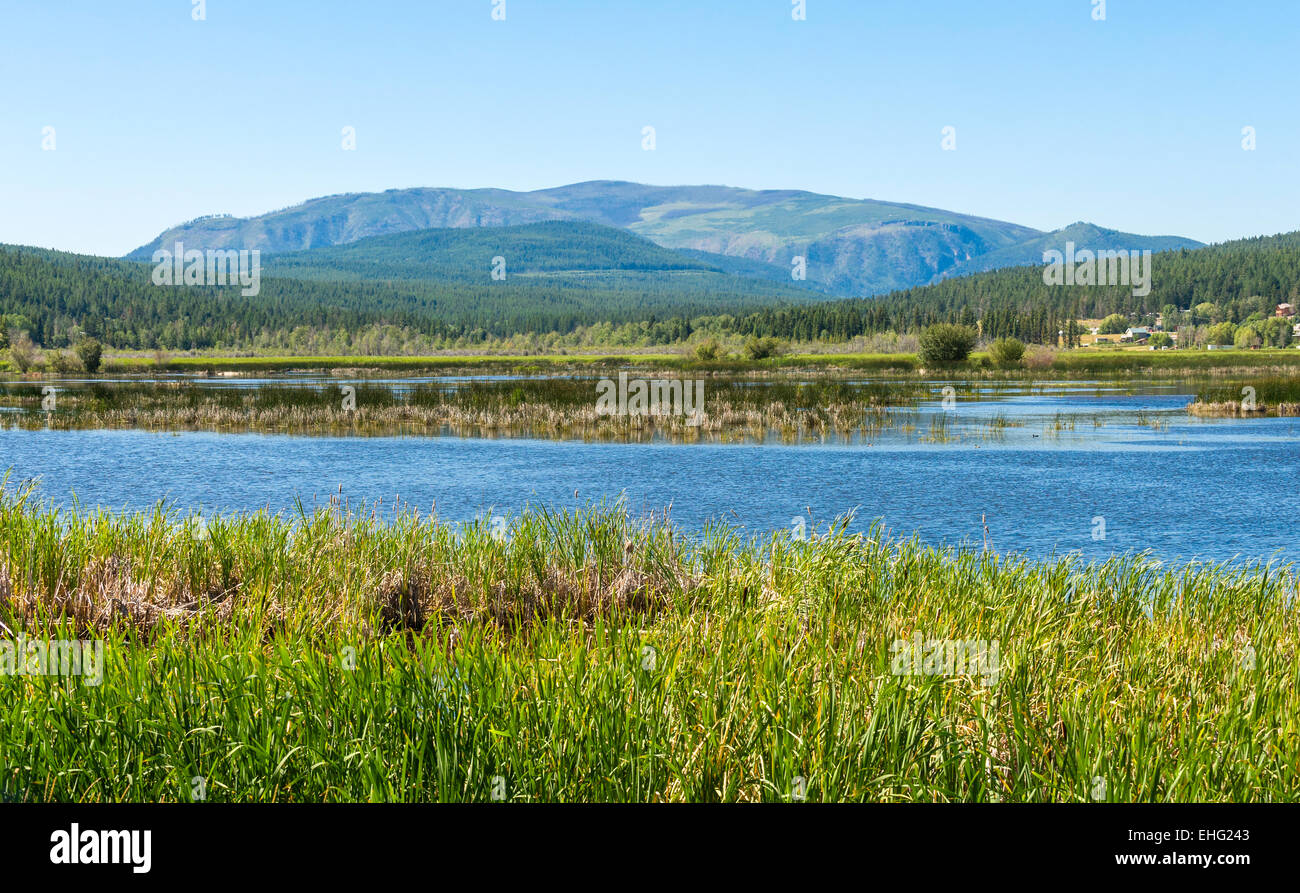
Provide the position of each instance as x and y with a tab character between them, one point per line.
850	247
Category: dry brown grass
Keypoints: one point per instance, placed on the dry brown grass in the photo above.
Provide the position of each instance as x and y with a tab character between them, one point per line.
1235	409
411	600
109	595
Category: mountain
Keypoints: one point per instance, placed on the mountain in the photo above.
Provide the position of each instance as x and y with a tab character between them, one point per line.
339	219
851	246
1083	235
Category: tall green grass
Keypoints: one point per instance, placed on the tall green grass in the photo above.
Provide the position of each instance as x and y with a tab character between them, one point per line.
1171	362
1247	394
348	655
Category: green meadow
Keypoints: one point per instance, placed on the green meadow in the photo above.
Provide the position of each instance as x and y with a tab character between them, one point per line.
1071	363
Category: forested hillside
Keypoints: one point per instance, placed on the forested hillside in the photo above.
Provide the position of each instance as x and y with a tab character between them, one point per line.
558	251
1220	283
53	295
666	296
1083	235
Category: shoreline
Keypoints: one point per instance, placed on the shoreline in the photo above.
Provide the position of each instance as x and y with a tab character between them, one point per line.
1071	363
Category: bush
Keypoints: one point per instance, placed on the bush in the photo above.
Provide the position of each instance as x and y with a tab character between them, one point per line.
762	348
708	350
1223	333
1115	324
90	351
943	343
1159	340
1007	353
1247	337
22	350
62	361
1040	358
1277	332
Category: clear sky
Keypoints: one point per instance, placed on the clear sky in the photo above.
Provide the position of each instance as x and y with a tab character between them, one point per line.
1134	122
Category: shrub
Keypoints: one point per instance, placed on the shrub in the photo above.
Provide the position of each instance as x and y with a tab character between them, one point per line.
22	351
762	348
1223	333
1007	353
1040	358
1115	324
708	350
90	351
1246	337
63	361
1277	332
943	343
1159	340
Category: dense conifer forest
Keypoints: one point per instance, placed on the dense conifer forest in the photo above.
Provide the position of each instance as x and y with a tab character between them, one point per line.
565	277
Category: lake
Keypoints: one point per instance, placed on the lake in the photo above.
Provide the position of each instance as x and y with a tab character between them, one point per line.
1097	468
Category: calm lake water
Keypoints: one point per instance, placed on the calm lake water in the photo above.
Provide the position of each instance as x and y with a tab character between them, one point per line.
1041	464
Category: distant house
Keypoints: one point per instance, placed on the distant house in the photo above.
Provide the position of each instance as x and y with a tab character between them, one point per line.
1138	335
1286	310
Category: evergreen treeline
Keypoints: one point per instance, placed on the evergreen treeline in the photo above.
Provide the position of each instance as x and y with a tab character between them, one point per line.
52	294
467	254
57	297
1229	282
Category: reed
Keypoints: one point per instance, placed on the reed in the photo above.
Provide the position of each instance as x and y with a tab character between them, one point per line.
360	654
1275	395
734	409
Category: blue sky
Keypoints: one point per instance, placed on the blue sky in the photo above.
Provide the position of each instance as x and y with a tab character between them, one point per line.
1134	122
